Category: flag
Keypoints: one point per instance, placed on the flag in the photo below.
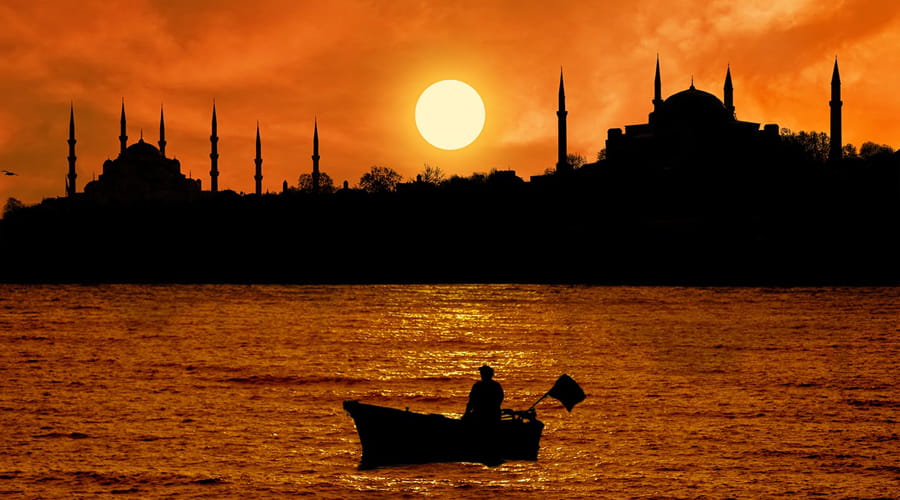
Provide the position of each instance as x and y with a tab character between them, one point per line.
567	391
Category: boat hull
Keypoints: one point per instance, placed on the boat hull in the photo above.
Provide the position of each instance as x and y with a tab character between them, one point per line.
393	437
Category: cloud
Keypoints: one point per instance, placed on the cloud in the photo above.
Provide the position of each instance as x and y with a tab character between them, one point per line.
359	65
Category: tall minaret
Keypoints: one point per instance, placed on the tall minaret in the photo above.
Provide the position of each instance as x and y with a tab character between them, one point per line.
70	184
162	133
258	162
123	139
657	88
837	144
315	156
729	93
214	155
562	160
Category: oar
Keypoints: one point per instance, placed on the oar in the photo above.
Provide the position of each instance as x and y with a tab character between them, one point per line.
566	390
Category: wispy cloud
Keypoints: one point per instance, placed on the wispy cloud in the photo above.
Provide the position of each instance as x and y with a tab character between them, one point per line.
359	65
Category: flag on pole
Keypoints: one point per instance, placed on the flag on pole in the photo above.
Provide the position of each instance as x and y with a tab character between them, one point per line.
567	391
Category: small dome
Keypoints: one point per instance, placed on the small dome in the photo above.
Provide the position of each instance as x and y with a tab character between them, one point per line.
695	106
142	148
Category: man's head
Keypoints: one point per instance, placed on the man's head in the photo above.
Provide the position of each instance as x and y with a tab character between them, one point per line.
487	372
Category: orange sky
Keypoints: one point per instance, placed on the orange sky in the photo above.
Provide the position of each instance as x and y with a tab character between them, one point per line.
360	66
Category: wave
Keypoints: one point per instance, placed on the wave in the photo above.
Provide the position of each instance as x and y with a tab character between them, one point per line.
873	403
295	380
71	435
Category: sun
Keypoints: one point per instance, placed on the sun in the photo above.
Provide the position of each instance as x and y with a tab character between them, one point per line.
450	114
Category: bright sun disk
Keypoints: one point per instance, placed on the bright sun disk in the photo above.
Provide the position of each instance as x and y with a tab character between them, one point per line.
450	114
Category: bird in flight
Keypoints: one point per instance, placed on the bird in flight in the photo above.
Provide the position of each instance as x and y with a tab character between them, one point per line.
7	172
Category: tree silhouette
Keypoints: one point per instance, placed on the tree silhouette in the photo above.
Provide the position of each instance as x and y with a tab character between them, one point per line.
432	175
576	160
305	183
12	205
870	149
813	146
380	180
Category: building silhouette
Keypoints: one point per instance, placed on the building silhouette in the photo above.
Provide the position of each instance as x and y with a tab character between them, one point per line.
214	154
139	172
162	133
258	162
691	131
836	144
70	178
142	171
315	157
562	157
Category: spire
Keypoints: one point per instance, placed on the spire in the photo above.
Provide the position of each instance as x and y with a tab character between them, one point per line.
315	156
562	91
214	124
837	145
123	139
657	87
657	93
835	75
258	143
258	161
72	121
162	132
214	154
316	136
70	178
729	92
562	160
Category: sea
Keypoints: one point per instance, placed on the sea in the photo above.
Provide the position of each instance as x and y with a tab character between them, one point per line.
236	391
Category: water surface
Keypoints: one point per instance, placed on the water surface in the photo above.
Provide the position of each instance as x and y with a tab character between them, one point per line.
236	391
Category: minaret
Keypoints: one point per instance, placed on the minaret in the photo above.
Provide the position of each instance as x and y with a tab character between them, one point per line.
729	93
258	162
657	88
162	133
123	139
70	184
315	156
214	155
562	160
836	103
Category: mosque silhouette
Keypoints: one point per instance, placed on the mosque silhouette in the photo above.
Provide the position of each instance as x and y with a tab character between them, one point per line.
692	196
143	172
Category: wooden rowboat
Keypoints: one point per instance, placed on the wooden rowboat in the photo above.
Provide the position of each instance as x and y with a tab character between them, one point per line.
393	437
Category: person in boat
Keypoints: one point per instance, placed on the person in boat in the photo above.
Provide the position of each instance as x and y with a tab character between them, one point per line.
485	398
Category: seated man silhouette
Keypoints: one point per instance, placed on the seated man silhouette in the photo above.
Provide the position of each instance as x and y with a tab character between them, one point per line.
484	398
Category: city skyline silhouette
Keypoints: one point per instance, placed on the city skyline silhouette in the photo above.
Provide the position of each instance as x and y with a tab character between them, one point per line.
362	84
701	191
727	140
694	196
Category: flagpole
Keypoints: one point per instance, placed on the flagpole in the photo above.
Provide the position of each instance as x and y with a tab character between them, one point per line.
538	401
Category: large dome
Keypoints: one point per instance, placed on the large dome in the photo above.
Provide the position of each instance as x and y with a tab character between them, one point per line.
695	107
142	149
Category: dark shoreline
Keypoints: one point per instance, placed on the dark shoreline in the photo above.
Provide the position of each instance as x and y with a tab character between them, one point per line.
573	234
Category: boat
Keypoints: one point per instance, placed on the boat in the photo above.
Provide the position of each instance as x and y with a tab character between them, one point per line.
397	437
390	436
